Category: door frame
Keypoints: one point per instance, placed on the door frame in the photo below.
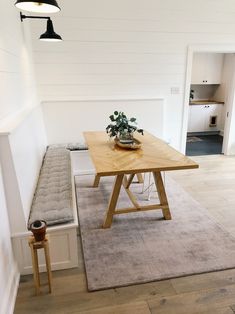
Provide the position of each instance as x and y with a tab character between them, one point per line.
206	49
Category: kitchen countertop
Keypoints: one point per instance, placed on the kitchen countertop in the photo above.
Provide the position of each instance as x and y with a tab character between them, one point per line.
205	102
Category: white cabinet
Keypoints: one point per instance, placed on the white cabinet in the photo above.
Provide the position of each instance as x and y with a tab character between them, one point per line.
207	68
213	114
203	118
196	122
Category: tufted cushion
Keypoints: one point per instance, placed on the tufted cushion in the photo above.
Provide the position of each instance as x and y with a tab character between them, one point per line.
53	196
69	146
77	146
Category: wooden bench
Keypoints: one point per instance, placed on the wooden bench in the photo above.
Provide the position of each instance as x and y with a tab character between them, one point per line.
55	184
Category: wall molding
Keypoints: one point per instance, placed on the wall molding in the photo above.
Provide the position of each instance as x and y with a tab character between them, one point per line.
66	121
11	122
101	99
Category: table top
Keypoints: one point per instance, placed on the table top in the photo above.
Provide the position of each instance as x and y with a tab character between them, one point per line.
154	155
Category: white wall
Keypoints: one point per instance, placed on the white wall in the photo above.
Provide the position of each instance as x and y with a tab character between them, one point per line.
226	91
17	93
205	92
224	88
66	121
21	152
128	49
8	272
17	83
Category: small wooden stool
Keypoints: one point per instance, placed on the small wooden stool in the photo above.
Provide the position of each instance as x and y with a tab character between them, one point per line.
34	246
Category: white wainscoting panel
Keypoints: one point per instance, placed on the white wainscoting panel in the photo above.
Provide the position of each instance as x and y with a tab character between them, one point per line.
21	154
63	248
66	121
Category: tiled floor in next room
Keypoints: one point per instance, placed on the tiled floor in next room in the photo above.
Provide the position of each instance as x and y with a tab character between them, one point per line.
204	145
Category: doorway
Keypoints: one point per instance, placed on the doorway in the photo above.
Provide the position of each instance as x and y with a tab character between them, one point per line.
207	104
209	144
209	98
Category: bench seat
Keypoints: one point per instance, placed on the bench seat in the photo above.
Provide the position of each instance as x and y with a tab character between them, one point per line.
52	200
55	202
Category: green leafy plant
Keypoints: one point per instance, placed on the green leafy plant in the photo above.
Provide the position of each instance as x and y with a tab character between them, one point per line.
191	96
122	126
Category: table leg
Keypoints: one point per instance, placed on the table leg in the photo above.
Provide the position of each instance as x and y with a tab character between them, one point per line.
96	181
113	201
126	183
140	178
162	194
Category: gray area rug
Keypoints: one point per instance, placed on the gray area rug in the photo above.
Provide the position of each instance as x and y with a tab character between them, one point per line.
142	247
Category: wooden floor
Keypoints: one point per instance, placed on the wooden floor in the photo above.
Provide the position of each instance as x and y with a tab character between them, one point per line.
213	185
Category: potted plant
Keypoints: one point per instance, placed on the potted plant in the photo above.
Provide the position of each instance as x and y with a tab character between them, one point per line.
38	228
191	96
122	128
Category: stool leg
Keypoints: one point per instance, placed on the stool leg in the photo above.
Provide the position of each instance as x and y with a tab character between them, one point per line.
37	266
35	270
48	264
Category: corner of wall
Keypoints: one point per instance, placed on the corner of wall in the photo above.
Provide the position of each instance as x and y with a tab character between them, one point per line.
12	193
9	297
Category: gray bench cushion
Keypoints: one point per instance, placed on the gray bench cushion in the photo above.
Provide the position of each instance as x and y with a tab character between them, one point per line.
53	196
70	146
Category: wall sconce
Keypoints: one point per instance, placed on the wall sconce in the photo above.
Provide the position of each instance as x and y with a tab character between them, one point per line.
44	6
50	34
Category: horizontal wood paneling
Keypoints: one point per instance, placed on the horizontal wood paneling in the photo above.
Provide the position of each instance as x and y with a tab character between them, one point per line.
174	24
83	69
150	9
54	57
17	82
96	46
128	48
99	92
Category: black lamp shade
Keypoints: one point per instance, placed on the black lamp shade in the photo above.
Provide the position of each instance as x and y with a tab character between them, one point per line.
50	34
44	6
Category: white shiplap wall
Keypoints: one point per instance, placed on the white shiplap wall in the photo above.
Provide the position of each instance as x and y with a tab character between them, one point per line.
17	92
22	132
128	49
8	272
17	83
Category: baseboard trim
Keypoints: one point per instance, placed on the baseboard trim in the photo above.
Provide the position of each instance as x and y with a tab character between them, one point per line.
9	298
203	133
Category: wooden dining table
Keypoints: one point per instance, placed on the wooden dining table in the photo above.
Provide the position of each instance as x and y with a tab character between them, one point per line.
154	156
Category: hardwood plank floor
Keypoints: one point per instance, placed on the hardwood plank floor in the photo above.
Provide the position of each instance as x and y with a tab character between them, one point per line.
213	185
